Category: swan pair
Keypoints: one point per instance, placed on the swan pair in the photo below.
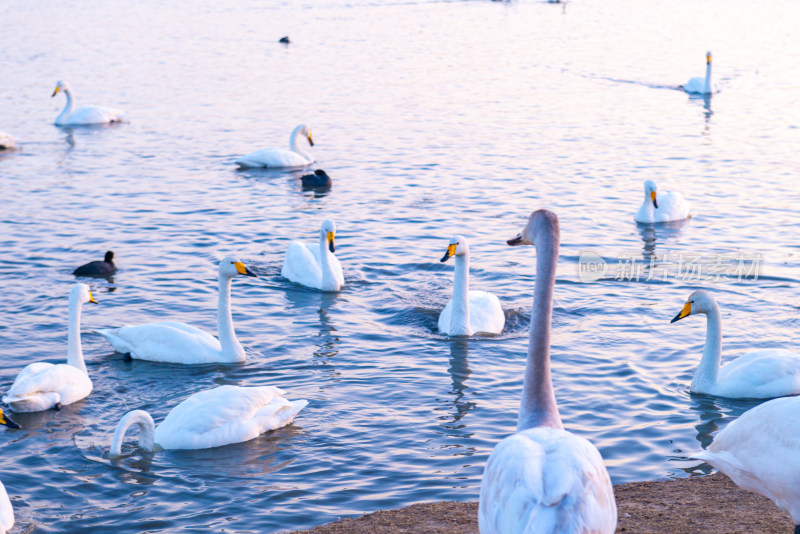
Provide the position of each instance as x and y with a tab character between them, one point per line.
85	115
276	158
663	207
700	86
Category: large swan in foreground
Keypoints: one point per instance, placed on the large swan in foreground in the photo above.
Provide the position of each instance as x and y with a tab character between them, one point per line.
173	342
661	207
42	385
468	312
211	418
761	374
314	264
760	451
85	115
277	158
700	86
543	479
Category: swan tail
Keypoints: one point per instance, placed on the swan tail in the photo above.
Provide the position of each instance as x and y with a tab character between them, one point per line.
112	336
279	413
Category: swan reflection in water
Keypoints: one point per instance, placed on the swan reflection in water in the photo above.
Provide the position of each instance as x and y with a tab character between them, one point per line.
653	233
459	373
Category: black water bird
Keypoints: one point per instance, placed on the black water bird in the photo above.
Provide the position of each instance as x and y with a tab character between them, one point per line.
98	268
320	178
284	39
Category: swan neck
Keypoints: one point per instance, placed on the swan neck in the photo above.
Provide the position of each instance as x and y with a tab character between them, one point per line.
538	406
707	85
67	111
231	348
297	148
459	314
74	351
138	418
329	282
706	375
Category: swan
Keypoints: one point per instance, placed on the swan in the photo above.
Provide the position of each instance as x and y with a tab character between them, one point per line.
6	511
663	207
315	265
7	141
173	342
700	86
211	418
468	312
281	159
84	115
544	479
761	374
758	451
103	268
42	385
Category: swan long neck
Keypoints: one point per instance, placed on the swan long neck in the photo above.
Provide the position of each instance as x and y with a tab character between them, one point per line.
707	84
459	314
538	406
296	134
147	429
67	111
74	351
706	375
325	256
231	348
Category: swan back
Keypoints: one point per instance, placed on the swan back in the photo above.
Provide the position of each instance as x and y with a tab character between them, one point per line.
137	418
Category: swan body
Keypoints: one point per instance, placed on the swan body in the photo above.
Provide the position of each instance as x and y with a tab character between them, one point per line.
7	141
276	158
174	342
544	479
661	207
85	115
700	86
212	418
6	511
759	452
315	265
468	312
761	374
42	385
102	268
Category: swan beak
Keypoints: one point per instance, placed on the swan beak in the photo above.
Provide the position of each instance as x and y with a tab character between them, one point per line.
653	198
685	312
515	241
7	421
331	246
91	298
58	88
451	249
310	140
241	269
708	58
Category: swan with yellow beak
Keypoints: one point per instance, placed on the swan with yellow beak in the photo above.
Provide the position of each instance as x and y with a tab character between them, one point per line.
661	207
315	264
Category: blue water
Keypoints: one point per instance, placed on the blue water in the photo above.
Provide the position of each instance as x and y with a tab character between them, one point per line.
432	118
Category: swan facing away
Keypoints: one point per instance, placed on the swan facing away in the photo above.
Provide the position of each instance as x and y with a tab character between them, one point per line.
544	479
468	312
661	207
174	342
42	385
761	374
700	86
759	451
101	268
315	265
85	115
212	418
7	141
277	158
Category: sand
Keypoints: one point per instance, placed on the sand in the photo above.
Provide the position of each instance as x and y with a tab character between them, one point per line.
711	504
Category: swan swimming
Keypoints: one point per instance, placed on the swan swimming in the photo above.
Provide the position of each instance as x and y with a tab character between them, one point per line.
468	312
42	385
277	158
761	374
543	479
315	265
211	418
759	452
174	342
85	115
7	141
700	86
661	207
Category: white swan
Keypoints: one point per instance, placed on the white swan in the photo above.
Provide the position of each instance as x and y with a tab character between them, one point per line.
7	141
661	207
315	265
281	159
759	451
6	511
761	374
212	418
41	385
84	115
700	86
468	312
173	342
544	479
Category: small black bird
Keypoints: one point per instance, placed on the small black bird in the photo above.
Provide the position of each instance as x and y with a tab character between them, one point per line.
284	39
98	268
319	179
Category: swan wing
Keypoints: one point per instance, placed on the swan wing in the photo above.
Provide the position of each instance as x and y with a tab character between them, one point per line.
301	265
546	480
444	318
94	115
40	385
671	207
695	85
272	158
760	374
166	341
485	313
6	511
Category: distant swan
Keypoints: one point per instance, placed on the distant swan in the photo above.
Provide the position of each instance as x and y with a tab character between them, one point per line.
543	479
700	86
84	115
211	418
661	207
7	141
468	312
759	451
102	268
761	374
278	158
42	385
315	265
174	342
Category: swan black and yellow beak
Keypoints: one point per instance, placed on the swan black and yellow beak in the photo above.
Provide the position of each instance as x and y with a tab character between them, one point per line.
91	298
708	58
451	249
653	198
310	140
331	246
241	269
58	88
685	312
515	241
4	420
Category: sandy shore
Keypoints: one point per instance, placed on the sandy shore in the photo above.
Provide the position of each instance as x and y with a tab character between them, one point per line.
710	505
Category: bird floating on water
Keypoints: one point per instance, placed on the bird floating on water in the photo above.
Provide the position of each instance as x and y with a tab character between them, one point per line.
661	207
284	40
698	85
278	158
314	264
98	268
85	115
319	179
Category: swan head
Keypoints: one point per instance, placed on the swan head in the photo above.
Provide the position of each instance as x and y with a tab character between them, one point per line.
708	58
539	221
458	247
328	232
699	301
82	294
305	131
230	266
650	191
60	86
7	421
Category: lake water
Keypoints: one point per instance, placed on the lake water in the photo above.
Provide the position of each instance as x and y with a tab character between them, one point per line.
433	119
